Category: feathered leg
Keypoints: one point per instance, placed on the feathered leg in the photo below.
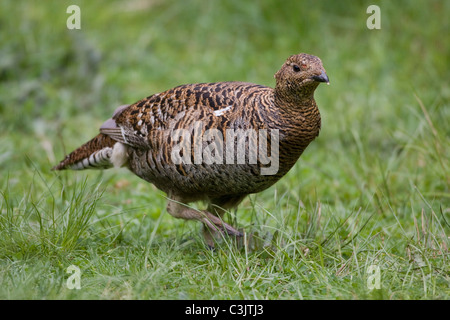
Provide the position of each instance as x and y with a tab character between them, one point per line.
218	207
178	209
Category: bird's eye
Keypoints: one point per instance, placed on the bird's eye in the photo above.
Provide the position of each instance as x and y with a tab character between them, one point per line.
296	68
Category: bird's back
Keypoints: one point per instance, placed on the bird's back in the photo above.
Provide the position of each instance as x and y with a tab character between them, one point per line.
197	139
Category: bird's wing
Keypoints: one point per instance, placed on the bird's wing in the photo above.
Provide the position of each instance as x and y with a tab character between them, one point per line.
216	104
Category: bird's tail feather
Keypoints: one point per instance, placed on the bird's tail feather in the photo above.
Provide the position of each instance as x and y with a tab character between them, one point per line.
97	153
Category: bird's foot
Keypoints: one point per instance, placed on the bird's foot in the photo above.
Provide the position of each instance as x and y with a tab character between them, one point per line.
216	224
215	229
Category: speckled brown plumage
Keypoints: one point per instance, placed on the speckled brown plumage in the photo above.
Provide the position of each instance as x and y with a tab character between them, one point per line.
141	137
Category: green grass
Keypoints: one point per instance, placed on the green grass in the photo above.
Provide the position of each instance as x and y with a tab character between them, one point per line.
372	190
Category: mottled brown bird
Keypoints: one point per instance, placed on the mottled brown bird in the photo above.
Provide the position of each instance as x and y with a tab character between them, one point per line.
216	142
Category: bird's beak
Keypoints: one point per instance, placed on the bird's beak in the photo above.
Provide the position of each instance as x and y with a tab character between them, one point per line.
321	78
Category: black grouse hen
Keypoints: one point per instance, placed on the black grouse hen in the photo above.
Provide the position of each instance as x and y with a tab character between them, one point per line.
216	142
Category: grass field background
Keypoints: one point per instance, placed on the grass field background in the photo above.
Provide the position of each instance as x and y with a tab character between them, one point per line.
371	193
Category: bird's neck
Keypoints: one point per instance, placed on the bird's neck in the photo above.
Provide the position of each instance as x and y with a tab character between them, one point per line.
298	109
298	120
287	96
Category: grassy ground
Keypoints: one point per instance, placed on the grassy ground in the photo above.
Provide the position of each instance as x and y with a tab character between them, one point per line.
371	193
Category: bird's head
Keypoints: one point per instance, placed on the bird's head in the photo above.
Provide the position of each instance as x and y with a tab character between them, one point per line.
300	75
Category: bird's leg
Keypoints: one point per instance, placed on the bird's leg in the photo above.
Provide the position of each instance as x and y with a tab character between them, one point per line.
179	209
218	207
212	234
